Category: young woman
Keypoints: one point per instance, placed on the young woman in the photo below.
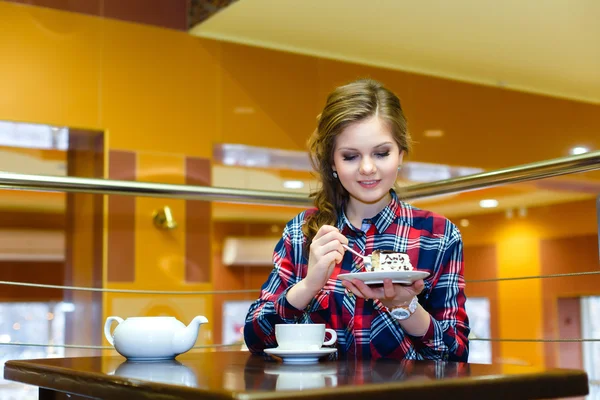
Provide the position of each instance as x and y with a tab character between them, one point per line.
357	149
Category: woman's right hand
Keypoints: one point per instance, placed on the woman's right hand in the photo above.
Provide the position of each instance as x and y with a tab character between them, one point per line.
325	252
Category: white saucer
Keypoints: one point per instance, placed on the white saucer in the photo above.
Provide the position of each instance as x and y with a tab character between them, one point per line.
300	356
377	277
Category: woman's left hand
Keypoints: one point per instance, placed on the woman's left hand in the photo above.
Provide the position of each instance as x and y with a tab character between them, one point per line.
390	294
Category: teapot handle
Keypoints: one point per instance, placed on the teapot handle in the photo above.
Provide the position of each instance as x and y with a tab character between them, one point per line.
107	326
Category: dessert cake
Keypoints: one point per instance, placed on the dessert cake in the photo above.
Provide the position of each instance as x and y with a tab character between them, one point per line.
386	260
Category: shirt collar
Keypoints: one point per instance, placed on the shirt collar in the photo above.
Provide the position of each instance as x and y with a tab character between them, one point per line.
382	220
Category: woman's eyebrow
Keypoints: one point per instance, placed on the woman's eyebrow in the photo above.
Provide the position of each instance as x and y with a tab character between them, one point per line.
375	147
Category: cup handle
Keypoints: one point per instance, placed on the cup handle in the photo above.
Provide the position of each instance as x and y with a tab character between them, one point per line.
333	337
107	325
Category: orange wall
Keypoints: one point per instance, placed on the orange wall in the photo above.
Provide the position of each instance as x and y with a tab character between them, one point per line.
522	312
160	255
239	277
155	89
495	247
165	95
574	254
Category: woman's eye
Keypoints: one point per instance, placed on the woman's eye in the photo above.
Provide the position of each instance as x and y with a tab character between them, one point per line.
383	155
349	158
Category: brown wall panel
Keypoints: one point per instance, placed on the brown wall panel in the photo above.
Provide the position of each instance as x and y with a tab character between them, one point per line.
32	220
172	14
44	272
481	263
558	256
84	238
570	354
121	220
238	277
90	7
198	223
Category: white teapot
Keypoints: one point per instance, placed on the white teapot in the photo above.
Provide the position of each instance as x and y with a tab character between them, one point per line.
152	338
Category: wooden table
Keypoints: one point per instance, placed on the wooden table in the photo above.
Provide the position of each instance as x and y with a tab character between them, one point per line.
239	375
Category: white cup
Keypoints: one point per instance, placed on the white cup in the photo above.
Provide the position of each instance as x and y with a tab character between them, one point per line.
303	336
304	381
304	376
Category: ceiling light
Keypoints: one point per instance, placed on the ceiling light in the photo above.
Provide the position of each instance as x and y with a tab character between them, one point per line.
579	150
464	223
433	133
229	160
275	229
429	172
488	203
293	184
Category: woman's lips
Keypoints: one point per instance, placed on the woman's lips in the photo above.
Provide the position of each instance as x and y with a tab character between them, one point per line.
370	183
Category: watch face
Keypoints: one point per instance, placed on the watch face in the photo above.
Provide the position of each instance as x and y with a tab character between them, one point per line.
400	313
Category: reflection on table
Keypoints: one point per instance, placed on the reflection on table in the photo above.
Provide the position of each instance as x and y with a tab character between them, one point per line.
240	375
172	372
279	376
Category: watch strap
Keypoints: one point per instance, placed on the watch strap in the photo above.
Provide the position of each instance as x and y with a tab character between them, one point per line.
411	307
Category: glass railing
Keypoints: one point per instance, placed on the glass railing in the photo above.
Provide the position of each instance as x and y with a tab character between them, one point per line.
160	238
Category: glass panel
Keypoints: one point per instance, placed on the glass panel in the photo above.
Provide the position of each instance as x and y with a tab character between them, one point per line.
33	136
478	310
31	322
590	307
159	133
234	317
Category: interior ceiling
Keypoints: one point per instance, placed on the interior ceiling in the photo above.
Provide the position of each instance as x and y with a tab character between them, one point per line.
550	47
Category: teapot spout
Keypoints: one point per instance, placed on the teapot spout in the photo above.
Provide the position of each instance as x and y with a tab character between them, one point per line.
184	339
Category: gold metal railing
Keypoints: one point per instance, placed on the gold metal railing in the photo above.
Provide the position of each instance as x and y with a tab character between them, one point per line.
521	173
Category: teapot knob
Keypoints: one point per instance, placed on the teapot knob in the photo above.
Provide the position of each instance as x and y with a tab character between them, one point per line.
107	326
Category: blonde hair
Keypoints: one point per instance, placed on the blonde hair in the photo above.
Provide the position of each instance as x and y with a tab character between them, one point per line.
355	101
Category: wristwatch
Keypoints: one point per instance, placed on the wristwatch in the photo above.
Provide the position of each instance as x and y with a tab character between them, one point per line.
401	313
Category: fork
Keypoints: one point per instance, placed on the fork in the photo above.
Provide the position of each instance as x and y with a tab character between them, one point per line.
366	259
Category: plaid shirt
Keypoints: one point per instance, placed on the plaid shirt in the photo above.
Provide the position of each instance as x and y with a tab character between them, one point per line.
364	328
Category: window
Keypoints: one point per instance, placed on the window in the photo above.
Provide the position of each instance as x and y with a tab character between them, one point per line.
234	317
36	322
478	310
590	329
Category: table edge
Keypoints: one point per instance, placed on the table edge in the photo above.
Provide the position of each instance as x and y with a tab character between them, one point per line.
554	383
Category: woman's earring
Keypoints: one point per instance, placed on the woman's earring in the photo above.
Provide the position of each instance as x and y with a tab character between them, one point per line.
335	175
399	168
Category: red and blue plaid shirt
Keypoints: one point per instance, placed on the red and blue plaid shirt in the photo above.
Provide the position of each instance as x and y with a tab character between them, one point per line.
364	328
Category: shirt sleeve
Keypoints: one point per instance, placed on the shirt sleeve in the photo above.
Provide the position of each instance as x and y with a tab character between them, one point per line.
447	336
272	307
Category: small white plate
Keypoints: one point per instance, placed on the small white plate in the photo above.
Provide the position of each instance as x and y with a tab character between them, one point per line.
300	356
377	277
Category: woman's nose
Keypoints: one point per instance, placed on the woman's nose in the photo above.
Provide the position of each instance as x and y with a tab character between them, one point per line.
367	167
